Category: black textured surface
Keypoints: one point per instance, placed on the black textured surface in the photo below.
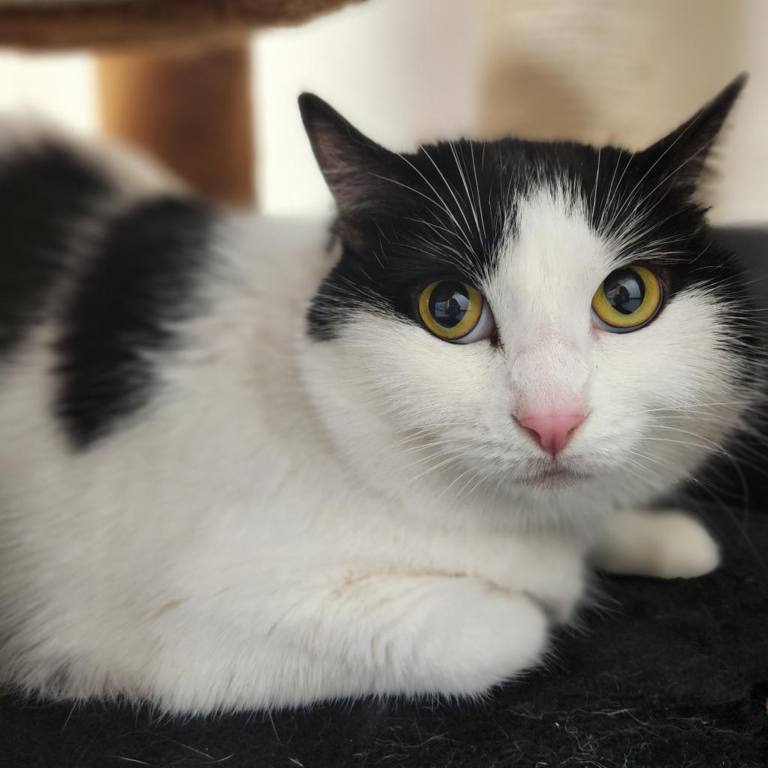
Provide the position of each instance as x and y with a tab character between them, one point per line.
672	674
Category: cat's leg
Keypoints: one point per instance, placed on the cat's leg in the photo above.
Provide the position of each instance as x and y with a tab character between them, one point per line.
348	637
666	544
373	634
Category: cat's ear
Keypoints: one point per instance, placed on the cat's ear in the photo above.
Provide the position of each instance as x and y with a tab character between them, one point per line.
361	175
679	158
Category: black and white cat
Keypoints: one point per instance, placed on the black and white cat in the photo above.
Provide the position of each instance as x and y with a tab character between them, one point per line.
239	472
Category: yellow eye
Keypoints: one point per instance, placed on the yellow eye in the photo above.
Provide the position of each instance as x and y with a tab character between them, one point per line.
452	310
628	299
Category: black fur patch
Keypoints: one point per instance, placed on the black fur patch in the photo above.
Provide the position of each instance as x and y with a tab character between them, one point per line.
141	282
46	192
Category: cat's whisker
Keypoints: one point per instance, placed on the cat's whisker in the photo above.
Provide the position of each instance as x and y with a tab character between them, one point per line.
471	472
466	491
695	406
444	462
716	448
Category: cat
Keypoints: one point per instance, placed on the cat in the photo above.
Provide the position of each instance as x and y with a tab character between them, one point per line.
243	469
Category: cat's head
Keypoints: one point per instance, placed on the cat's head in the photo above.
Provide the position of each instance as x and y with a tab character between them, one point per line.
524	318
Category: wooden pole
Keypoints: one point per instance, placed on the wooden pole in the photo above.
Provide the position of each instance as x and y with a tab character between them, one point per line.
191	108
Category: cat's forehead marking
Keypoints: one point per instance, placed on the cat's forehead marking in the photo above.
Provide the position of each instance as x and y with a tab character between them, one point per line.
552	259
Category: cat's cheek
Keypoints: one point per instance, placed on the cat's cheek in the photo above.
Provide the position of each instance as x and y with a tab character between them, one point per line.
674	360
433	382
661	393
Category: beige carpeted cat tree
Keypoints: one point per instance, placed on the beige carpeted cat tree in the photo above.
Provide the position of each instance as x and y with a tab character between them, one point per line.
174	75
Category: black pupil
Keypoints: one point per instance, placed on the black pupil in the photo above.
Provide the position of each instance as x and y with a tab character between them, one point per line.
449	303
625	291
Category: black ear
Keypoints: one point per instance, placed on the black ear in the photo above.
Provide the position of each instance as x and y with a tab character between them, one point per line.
361	175
681	156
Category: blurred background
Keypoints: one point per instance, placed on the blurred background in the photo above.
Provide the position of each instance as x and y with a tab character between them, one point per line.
406	71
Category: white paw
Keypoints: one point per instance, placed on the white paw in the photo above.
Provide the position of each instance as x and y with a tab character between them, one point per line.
482	638
685	548
665	545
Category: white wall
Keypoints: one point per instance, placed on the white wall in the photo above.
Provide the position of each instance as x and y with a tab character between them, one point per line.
401	70
744	191
61	87
625	71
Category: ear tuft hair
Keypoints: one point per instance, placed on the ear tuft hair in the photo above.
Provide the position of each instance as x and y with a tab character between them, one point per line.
680	157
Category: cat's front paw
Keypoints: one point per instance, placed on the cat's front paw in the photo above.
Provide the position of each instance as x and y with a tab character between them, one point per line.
685	548
495	639
465	637
665	544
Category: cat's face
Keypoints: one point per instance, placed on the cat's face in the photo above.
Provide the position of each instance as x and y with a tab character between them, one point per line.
527	317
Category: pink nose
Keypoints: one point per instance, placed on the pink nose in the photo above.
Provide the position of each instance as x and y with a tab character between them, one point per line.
552	431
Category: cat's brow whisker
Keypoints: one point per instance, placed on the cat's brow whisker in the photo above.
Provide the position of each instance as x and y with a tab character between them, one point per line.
632	236
611	205
450	189
470	201
439	202
443	205
595	183
608	202
479	203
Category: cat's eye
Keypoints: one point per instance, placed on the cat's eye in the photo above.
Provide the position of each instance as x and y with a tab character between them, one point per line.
455	311
628	299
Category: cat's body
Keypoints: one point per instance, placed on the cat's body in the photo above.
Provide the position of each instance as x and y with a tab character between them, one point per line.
209	501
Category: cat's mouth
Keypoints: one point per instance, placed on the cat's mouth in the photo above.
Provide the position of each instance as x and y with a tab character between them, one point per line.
553	477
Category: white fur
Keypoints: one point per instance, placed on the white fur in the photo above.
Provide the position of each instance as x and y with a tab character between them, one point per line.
292	520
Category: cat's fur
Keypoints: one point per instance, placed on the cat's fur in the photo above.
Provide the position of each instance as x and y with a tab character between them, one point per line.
236	473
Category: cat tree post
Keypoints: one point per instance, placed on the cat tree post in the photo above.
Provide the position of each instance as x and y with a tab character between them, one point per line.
190	106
